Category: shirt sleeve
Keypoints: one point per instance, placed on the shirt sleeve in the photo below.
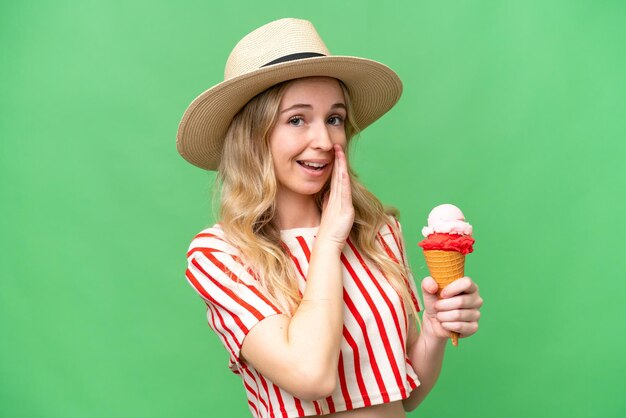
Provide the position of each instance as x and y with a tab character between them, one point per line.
235	299
393	243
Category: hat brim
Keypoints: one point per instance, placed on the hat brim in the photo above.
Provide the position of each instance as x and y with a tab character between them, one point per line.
373	87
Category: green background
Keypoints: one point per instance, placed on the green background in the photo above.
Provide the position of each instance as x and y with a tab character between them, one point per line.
513	110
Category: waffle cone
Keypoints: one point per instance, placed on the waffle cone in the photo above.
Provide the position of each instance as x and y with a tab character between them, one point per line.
445	267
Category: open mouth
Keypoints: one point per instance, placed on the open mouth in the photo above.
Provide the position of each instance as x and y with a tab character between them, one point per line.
312	166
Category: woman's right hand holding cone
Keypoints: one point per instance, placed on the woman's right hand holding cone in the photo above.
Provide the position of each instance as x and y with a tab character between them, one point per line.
456	309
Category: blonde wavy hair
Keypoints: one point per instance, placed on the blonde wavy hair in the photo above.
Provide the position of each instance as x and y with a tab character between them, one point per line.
247	186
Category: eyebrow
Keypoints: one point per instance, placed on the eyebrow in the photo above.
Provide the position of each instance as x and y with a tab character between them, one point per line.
308	106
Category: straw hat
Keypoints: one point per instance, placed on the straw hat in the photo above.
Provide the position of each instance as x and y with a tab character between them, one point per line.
279	51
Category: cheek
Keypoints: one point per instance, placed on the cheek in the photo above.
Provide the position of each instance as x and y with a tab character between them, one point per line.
281	143
340	138
276	148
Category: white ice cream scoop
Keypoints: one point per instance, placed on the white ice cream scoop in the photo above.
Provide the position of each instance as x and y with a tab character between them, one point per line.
446	219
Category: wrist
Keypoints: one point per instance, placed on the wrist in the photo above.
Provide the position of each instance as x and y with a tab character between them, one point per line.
430	336
328	246
431	345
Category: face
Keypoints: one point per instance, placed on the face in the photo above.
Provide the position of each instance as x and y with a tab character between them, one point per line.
311	120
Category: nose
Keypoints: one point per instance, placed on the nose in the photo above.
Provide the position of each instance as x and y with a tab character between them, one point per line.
320	137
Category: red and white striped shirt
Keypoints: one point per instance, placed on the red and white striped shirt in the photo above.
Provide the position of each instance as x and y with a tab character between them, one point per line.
373	364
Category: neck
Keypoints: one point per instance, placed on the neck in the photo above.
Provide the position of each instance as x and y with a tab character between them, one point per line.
296	211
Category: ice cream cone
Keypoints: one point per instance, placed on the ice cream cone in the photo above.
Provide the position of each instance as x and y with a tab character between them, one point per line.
448	238
445	267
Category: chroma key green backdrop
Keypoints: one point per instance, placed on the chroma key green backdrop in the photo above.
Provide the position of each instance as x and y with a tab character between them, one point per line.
513	110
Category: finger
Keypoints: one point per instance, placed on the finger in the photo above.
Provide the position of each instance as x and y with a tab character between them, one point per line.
471	301
459	286
340	166
335	182
429	285
465	329
429	293
344	178
459	315
340	185
325	200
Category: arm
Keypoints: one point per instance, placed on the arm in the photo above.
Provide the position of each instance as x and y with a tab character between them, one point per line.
300	354
458	310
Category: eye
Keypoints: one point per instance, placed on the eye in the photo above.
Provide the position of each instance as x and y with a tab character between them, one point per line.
335	120
296	121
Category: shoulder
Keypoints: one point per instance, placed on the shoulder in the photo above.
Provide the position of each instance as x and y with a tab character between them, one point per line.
391	227
213	240
390	238
213	261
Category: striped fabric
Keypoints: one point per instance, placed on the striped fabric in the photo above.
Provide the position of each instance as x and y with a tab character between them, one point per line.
373	365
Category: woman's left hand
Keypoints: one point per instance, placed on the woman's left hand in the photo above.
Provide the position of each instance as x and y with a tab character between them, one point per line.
456	309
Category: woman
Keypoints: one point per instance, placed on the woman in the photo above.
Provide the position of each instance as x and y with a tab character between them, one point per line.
305	277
